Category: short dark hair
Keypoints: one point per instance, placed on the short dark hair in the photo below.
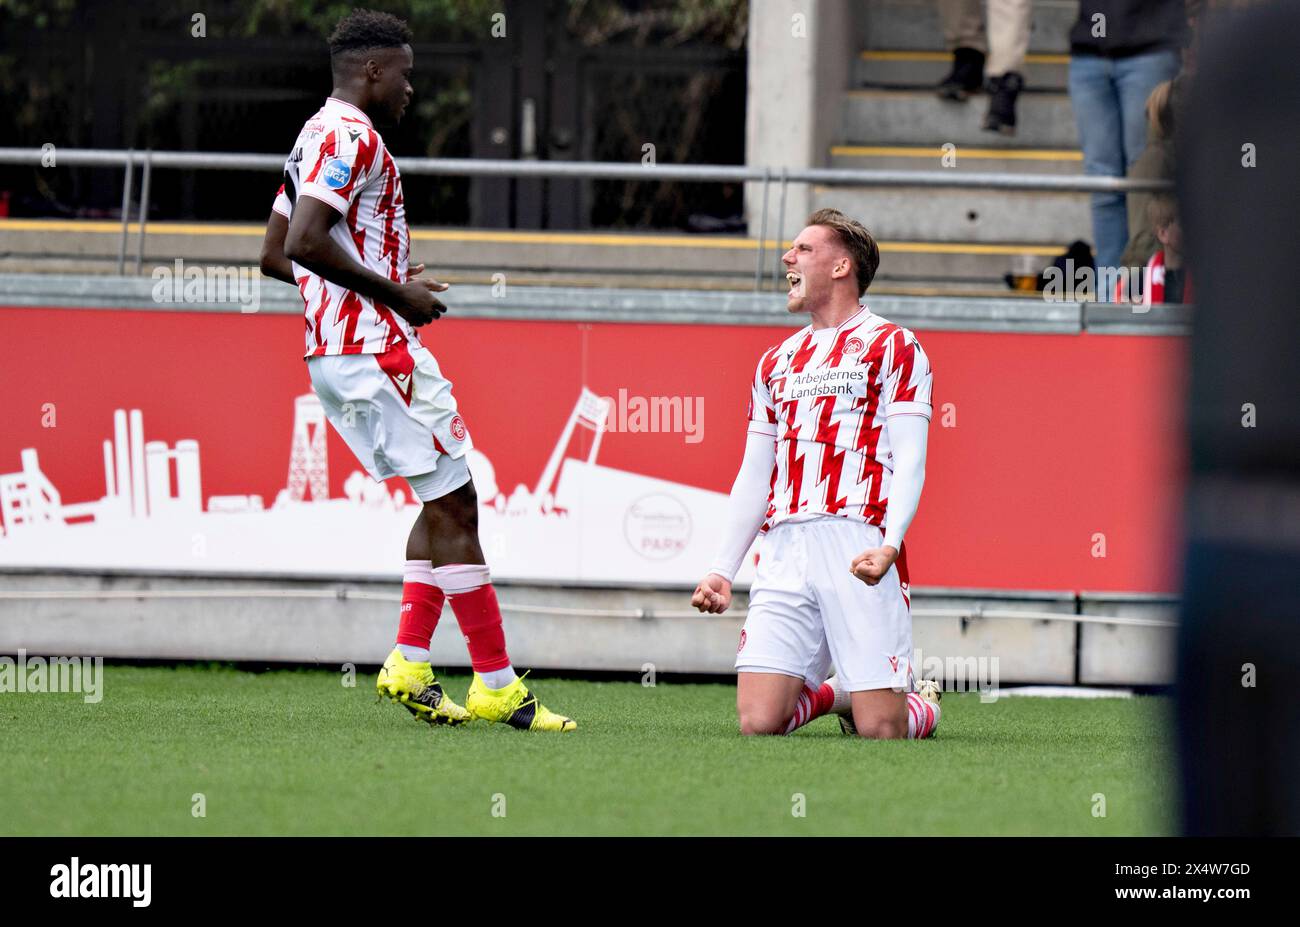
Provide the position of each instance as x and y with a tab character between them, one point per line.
862	248
362	30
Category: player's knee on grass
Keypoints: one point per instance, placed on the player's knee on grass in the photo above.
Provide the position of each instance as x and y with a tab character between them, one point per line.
880	714
761	720
880	727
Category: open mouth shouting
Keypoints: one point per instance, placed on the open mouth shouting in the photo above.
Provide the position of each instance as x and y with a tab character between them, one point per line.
798	287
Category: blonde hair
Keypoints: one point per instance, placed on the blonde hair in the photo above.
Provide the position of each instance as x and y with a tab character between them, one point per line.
1162	107
862	248
1162	211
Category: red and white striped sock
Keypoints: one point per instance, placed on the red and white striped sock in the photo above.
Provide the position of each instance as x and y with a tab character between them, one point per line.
922	717
812	703
474	600
421	606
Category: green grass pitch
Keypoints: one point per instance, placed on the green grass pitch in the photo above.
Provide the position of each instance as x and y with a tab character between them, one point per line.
297	752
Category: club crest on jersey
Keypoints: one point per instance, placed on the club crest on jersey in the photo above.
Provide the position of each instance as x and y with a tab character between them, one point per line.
458	428
854	346
337	173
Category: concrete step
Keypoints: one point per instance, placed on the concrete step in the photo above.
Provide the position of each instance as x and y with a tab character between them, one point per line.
907	24
964	159
930	214
884	117
916	69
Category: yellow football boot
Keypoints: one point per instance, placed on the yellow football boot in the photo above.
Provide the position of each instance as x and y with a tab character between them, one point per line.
514	705
415	688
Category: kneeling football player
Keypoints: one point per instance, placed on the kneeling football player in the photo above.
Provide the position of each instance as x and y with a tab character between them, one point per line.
832	473
339	233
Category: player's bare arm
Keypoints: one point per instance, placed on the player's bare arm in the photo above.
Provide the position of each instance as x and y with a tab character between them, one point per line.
308	243
274	262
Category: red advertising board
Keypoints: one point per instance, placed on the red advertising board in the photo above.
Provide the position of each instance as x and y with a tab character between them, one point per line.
1055	460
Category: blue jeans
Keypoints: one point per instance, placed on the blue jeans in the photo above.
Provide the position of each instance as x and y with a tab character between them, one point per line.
1109	97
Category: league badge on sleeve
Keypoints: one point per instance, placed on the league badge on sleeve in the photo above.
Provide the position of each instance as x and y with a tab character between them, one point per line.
337	173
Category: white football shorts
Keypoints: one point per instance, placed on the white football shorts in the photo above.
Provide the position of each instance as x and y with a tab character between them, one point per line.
807	612
396	412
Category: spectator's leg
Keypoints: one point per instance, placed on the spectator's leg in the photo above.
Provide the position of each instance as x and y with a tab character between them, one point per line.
962	22
1008	29
1136	77
1008	42
964	36
1097	113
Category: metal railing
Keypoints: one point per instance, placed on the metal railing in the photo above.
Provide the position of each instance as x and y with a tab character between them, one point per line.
586	170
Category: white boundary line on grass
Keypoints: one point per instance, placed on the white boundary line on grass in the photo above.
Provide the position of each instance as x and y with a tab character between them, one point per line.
1063	692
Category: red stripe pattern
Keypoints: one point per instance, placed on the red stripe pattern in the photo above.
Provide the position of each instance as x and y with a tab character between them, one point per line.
812	703
824	396
922	717
340	159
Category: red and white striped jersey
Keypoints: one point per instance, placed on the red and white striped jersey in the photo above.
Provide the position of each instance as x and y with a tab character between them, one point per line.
341	160
823	395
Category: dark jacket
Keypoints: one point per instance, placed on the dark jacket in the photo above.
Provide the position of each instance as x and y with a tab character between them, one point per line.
1131	27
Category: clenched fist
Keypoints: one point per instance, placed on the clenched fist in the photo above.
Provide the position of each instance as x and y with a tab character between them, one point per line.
416	302
870	566
712	595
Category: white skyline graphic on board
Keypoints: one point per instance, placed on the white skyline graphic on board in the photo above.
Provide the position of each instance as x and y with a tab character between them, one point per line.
580	522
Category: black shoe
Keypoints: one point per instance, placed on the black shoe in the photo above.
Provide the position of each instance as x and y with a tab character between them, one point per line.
1003	91
966	76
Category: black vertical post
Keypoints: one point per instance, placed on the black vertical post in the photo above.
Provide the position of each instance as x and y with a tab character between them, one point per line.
562	202
106	35
189	142
494	131
532	109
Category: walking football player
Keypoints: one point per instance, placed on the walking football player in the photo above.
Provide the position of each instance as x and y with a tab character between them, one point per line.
832	473
338	232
